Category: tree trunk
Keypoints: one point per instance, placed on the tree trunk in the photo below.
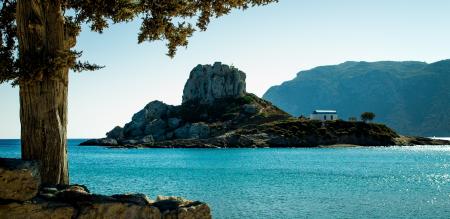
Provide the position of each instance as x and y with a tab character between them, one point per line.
43	99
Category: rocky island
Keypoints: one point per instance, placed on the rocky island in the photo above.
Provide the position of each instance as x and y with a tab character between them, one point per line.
216	111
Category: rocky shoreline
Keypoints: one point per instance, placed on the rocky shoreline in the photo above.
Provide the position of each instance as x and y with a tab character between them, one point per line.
23	196
217	112
265	136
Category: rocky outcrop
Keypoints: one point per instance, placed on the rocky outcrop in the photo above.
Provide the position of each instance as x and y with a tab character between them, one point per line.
19	180
176	207
159	122
304	133
214	102
37	210
208	83
194	130
217	112
115	133
77	202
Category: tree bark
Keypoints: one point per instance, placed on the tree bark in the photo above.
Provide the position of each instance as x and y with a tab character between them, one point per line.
43	100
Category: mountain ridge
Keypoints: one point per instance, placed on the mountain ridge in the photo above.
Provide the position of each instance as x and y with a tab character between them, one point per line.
409	96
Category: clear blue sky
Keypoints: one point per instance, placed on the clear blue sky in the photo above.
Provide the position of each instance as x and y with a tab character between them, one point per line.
271	44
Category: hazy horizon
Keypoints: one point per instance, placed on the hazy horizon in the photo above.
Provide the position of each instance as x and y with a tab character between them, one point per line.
270	44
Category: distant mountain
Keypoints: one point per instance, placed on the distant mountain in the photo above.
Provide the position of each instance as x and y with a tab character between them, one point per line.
411	97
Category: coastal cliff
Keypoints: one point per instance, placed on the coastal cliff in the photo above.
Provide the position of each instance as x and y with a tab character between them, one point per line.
218	112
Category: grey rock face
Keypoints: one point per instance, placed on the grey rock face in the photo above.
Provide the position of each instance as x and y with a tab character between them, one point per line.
207	83
173	122
158	122
199	130
156	128
19	180
115	133
134	128
153	110
195	130
108	141
147	139
182	132
147	121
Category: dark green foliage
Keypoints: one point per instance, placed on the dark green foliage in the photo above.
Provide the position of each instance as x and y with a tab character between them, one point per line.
8	46
223	109
247	99
329	132
410	97
367	116
171	20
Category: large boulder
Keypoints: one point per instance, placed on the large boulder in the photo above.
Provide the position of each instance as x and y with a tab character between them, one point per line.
139	125
133	129
173	122
37	210
182	132
19	179
21	196
177	207
115	133
156	128
199	130
207	83
192	131
153	110
122	210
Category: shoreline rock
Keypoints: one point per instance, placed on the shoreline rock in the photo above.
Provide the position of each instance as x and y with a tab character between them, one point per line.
75	201
19	180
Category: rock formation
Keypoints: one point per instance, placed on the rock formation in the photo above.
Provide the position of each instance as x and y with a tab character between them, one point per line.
207	83
22	196
217	112
211	94
19	180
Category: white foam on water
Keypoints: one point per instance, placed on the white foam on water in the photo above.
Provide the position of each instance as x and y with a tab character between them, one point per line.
442	148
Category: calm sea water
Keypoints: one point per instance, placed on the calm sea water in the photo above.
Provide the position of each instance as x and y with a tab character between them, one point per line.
394	182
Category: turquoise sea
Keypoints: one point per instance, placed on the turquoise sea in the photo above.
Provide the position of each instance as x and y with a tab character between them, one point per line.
378	182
